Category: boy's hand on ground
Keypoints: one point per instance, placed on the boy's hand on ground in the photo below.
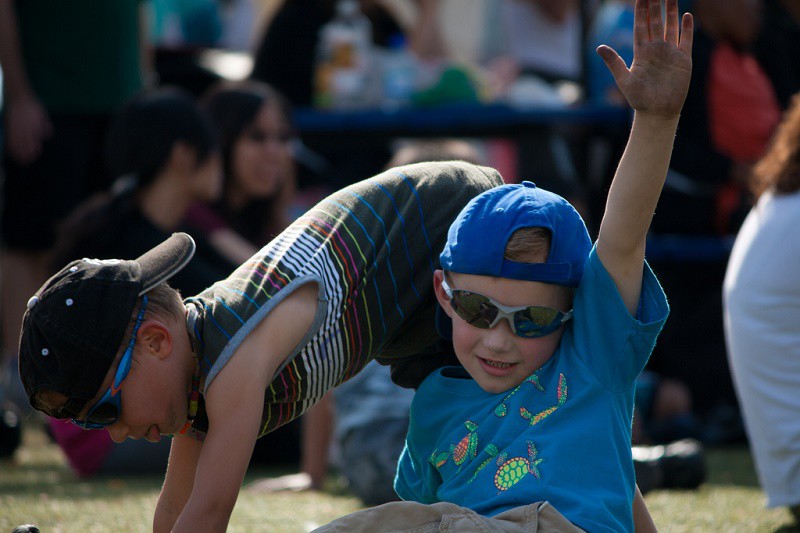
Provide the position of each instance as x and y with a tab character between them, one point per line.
658	80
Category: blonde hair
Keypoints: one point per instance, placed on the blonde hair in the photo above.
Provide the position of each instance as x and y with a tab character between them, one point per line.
528	245
163	302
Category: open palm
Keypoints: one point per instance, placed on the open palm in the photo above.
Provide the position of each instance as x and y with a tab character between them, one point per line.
657	82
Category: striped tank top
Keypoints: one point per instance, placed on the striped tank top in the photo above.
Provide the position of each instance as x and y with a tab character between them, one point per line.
372	248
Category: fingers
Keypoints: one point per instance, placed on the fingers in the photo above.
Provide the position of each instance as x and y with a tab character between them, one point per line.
649	25
671	33
654	20
687	33
615	64
641	24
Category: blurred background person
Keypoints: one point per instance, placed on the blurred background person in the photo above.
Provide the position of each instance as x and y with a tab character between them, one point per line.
253	122
729	115
286	52
286	58
67	68
532	52
164	150
762	313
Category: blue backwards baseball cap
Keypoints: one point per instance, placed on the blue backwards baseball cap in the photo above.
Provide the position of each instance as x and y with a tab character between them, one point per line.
476	241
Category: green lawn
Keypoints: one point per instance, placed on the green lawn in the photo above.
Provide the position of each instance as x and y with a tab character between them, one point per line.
38	488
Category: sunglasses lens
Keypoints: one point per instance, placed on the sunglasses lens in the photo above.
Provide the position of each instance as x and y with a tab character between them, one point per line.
476	309
533	321
103	414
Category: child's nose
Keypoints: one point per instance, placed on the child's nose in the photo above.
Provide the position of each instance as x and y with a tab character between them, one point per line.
499	337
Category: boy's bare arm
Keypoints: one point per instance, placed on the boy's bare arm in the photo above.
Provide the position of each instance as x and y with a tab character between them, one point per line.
642	521
655	87
235	403
183	456
234	422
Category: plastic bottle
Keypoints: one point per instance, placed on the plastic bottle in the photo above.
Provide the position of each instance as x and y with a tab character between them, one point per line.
399	71
343	73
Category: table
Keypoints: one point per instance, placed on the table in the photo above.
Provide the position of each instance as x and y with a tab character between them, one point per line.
457	120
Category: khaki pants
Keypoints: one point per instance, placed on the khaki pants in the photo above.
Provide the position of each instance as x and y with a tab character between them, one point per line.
413	517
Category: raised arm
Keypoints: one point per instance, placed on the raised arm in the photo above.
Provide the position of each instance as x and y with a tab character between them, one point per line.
655	87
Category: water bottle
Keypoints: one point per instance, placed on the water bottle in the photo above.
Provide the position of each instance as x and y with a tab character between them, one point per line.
399	72
344	60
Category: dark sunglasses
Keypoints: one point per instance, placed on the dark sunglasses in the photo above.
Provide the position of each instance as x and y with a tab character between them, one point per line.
106	411
482	312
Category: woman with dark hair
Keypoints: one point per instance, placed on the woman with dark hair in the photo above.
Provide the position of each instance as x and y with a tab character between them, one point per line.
762	313
164	149
253	122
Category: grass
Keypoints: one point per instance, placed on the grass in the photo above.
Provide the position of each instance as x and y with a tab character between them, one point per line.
37	487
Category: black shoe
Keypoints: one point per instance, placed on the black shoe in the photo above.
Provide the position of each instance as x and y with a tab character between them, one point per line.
684	464
679	465
648	475
10	430
26	528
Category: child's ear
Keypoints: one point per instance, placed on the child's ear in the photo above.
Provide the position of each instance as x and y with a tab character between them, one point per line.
441	296
155	338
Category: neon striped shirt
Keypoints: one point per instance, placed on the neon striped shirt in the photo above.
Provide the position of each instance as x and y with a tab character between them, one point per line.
371	248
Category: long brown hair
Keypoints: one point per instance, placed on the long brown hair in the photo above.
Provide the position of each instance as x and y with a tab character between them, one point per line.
233	106
779	168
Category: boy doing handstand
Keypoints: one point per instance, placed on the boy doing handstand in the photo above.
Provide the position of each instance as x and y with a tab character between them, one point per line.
551	332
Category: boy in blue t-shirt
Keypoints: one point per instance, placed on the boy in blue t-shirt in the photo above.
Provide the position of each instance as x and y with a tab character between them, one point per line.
551	332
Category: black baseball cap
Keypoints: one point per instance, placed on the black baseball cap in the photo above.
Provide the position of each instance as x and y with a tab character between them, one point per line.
75	323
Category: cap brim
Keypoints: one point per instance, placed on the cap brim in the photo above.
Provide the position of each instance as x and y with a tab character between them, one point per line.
165	260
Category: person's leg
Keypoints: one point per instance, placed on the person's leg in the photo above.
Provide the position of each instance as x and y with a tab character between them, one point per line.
23	273
36	197
369	459
309	444
672	415
316	439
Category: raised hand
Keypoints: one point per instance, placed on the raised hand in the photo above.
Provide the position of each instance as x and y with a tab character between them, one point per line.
657	82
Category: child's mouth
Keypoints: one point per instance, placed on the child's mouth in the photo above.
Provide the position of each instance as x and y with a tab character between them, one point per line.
497	364
496	368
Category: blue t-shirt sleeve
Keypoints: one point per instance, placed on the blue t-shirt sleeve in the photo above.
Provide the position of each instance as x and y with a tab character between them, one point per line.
412	481
614	345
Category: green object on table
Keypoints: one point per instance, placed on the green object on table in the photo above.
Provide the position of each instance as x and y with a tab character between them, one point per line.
455	85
